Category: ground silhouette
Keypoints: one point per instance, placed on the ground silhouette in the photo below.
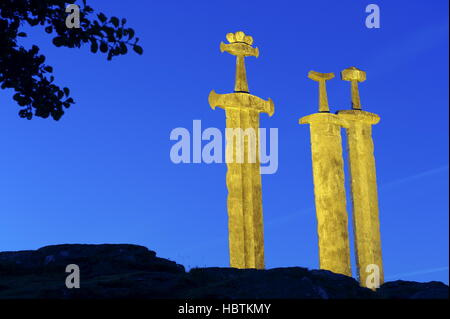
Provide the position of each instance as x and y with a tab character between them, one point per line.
131	271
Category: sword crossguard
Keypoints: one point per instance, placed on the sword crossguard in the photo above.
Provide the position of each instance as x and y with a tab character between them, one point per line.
354	75
241	101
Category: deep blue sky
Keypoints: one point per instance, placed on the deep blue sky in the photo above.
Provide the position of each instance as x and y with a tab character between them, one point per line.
102	174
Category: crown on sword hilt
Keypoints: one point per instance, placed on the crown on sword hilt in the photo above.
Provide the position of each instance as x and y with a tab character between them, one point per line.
239	36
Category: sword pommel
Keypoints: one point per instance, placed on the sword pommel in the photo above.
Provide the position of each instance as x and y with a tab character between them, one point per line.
240	44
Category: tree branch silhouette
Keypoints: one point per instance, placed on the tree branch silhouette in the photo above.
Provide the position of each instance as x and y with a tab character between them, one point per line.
25	70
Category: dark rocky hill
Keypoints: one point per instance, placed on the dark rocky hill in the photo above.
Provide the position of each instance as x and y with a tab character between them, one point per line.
131	271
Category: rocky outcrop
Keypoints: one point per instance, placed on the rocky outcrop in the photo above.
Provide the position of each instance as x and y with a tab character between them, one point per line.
131	271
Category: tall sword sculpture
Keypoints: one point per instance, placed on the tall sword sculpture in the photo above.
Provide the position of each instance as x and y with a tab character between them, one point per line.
245	219
329	188
366	224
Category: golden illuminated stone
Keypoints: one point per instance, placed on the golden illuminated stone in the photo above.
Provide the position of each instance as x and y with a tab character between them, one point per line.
329	187
245	218
366	223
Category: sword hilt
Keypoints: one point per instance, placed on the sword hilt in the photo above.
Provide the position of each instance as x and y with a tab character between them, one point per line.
240	46
354	75
321	78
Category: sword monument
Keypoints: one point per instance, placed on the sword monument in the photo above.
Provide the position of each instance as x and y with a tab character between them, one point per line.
245	219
